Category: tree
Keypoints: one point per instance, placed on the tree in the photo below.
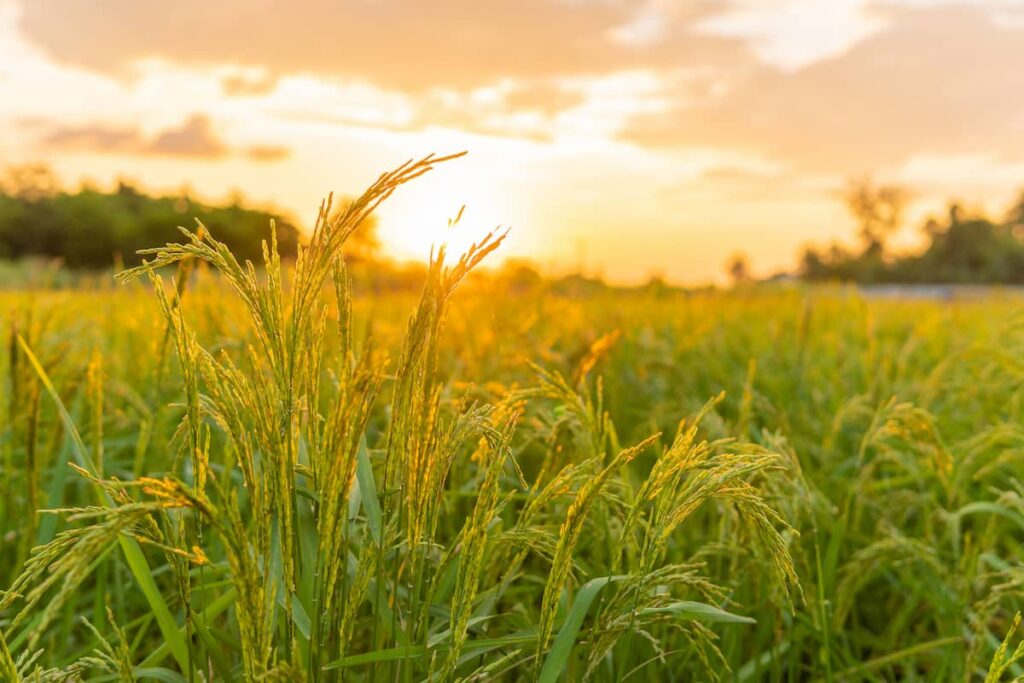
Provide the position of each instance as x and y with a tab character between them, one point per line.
963	247
88	227
738	268
878	210
29	181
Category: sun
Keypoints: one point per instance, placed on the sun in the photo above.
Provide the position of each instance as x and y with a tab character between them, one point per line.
453	212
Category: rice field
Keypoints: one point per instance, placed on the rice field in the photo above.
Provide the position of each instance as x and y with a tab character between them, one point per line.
214	471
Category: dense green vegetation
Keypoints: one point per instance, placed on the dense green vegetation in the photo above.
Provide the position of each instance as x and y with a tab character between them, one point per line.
255	475
89	228
962	248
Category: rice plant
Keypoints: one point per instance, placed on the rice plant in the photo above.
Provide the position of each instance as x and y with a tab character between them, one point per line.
264	472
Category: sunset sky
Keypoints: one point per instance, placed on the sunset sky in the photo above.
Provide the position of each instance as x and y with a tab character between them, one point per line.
631	137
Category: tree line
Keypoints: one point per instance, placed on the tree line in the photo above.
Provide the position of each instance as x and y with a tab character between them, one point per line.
961	247
92	229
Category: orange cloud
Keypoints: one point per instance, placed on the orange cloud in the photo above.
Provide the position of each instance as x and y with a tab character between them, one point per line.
195	138
661	133
241	85
92	138
400	44
939	80
268	152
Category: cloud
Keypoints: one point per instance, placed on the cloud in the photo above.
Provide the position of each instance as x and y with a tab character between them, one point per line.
665	133
645	28
94	138
544	97
404	45
937	80
194	138
268	152
543	110
248	84
836	86
748	184
794	33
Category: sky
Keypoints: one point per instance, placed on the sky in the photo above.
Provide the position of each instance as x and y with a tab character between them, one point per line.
627	138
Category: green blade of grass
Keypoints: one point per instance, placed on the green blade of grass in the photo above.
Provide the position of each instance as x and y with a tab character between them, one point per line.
892	658
8	671
992	508
558	655
700	611
133	554
756	665
55	493
368	491
470	649
299	615
214	609
158	674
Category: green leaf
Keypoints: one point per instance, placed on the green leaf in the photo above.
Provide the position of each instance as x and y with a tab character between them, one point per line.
159	674
80	450
558	655
55	493
387	655
368	491
469	650
133	554
445	636
756	665
136	560
213	610
862	668
700	611
300	617
8	670
992	508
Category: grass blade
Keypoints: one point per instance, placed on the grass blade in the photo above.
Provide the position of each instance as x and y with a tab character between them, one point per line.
470	649
558	655
368	491
133	554
700	611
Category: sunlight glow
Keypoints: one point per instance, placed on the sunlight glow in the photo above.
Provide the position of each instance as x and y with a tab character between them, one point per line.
419	219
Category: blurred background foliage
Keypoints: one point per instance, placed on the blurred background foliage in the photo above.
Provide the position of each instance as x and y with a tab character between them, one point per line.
61	233
962	247
94	229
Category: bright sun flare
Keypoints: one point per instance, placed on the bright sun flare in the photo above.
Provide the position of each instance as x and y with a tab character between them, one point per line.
423	217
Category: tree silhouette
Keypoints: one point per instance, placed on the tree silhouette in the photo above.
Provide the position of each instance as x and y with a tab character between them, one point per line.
738	268
89	228
878	210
